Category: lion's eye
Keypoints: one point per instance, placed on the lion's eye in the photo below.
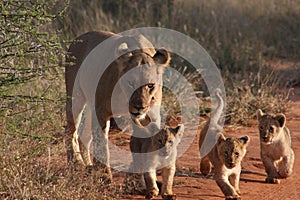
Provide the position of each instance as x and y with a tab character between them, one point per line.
226	153
170	142
160	141
237	154
261	128
271	129
150	86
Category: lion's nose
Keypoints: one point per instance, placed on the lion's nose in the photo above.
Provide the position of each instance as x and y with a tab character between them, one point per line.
231	164
140	108
265	137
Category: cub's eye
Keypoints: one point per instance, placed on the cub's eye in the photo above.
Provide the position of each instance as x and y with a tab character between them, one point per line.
160	141
237	154
271	129
170	142
261	128
226	153
150	86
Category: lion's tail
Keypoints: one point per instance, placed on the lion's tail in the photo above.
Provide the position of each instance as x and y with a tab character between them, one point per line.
216	115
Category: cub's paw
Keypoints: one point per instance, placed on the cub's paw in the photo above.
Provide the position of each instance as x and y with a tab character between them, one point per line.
272	180
152	194
234	197
205	169
284	173
169	197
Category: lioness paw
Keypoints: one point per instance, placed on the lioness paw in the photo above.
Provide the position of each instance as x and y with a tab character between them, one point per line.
169	197
151	194
272	180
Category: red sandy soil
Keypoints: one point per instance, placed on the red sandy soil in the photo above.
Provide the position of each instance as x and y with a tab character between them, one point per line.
190	184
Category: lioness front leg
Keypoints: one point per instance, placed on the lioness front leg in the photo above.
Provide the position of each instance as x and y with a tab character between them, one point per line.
286	168
85	138
167	184
150	180
101	150
227	189
272	174
74	109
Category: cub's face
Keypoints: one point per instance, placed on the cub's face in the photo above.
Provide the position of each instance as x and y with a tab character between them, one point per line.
269	126
167	140
231	150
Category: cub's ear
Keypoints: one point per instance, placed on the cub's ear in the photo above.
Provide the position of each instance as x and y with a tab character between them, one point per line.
259	114
178	131
162	57
245	139
281	119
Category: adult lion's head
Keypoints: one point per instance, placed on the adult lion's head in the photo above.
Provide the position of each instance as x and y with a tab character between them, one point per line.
140	73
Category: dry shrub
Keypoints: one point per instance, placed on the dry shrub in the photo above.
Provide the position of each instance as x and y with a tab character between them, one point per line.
239	36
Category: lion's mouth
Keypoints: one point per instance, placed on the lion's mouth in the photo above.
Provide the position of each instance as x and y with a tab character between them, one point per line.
267	140
138	115
230	165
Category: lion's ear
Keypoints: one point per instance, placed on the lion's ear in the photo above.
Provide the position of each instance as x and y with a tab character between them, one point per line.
281	119
178	131
162	57
245	140
259	114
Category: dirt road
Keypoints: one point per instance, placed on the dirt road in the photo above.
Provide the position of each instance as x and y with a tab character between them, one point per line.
190	184
253	174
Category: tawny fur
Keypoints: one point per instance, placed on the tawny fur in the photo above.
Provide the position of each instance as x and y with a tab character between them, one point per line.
276	152
159	152
225	157
128	52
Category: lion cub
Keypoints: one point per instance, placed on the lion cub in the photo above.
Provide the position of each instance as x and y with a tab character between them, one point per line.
225	156
276	152
159	152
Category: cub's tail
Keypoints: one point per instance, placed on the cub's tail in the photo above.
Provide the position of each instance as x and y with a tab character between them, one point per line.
216	115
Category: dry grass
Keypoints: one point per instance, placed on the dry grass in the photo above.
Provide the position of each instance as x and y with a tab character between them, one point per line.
239	36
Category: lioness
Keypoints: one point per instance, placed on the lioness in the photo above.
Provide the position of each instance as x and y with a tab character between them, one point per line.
276	152
225	156
95	63
158	152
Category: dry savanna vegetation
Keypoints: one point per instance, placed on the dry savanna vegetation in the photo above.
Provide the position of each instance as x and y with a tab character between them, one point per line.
244	38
